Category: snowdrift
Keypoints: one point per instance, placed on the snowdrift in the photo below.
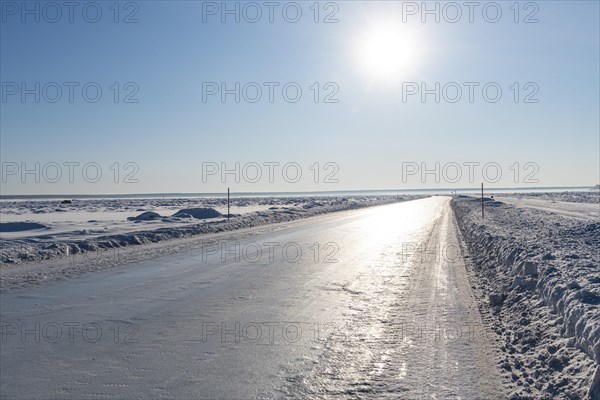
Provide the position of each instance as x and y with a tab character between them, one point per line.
521	254
20	226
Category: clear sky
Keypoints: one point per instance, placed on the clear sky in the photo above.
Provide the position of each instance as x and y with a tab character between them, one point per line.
362	69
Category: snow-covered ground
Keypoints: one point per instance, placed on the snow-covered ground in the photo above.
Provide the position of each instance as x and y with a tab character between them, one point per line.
535	265
32	231
93	218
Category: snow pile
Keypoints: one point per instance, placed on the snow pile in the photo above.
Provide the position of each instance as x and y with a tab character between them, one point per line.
20	226
539	273
198	213
146	216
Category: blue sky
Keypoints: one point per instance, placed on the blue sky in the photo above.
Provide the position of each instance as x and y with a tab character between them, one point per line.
371	56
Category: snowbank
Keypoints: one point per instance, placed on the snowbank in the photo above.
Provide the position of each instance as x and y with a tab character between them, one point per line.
146	216
198	213
526	260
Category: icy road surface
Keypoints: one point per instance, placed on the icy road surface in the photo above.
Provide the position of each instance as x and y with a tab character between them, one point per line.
582	211
372	303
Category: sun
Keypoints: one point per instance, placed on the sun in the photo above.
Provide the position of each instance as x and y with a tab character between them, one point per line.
387	51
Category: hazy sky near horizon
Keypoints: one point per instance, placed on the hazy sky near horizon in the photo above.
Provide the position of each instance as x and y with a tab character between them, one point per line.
384	97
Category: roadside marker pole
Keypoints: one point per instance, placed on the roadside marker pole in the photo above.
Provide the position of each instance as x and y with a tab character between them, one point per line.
482	215
228	213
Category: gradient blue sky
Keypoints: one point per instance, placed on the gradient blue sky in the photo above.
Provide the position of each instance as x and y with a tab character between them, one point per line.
369	133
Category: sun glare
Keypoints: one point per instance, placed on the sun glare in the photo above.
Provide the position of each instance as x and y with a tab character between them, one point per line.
388	52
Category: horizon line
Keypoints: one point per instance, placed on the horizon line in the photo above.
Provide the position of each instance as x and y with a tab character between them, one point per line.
205	194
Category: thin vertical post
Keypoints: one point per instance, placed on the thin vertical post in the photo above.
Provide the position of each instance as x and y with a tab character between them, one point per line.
482	214
228	204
